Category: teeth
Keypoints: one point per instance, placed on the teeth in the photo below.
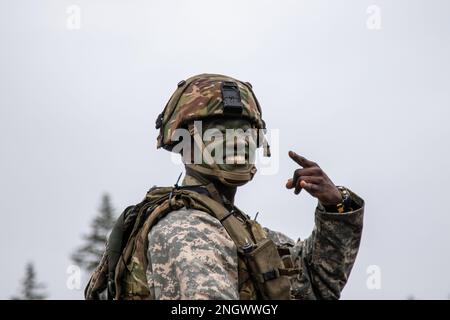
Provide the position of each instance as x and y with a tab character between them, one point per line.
235	159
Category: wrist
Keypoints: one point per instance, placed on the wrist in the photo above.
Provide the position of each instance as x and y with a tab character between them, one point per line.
343	204
332	200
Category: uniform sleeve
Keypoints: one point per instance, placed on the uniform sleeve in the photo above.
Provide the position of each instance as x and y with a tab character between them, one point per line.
191	256
326	258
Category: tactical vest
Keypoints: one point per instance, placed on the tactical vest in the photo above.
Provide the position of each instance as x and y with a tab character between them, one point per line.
263	268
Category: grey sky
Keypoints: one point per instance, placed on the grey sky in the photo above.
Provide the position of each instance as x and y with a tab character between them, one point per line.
77	111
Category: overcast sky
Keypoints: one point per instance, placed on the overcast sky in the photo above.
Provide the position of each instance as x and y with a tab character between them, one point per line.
370	105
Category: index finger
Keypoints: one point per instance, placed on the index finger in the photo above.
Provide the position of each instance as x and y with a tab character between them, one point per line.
305	163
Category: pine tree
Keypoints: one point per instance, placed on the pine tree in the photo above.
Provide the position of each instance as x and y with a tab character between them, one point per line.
88	255
31	289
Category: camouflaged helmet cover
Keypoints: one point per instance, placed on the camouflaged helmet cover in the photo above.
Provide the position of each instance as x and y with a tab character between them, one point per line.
199	98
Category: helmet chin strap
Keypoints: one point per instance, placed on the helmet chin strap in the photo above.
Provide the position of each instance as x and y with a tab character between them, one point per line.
229	178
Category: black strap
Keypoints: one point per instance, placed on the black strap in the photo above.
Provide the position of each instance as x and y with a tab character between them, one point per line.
119	232
227	216
275	273
114	250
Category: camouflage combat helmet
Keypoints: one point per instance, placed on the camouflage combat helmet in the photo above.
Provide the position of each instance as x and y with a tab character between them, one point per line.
207	96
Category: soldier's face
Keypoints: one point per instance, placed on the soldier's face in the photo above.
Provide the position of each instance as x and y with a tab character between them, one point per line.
230	142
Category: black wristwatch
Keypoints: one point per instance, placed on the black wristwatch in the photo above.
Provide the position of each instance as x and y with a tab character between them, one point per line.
345	205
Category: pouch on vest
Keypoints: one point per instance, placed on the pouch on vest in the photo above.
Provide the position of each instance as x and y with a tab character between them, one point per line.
265	265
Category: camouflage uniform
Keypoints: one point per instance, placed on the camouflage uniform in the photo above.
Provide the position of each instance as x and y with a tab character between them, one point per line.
191	256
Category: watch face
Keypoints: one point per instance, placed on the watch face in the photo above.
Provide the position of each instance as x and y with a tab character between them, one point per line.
346	199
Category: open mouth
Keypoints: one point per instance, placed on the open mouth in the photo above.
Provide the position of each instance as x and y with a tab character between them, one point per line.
231	152
236	159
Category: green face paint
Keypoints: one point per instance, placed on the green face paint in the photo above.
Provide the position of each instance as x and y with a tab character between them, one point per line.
230	142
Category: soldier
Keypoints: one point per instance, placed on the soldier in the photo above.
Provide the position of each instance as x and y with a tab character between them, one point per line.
192	242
